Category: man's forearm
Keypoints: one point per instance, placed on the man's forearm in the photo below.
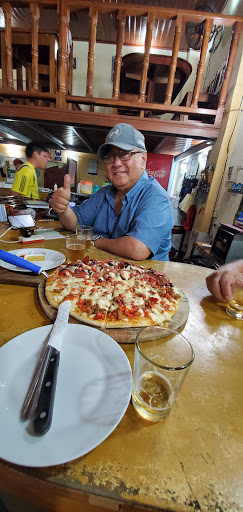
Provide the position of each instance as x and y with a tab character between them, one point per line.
126	246
13	193
68	219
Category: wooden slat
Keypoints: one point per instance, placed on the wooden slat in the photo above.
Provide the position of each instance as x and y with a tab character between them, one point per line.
233	47
176	46
200	68
52	65
3	61
35	11
118	58
7	10
143	83
62	53
93	18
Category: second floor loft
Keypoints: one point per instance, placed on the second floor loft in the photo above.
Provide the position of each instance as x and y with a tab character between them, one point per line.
93	64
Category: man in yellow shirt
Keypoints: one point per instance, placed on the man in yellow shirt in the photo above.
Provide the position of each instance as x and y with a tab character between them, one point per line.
25	180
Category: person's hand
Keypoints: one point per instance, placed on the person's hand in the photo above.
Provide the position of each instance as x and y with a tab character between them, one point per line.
220	284
61	197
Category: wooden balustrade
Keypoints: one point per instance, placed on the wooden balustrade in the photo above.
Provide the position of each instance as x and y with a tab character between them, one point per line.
62	98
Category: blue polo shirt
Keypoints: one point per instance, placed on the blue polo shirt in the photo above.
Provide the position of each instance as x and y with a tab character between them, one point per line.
146	215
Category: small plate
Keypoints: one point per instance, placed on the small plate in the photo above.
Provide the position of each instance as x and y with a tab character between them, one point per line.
52	259
93	392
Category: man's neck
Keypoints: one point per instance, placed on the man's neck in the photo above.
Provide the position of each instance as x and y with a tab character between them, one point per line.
31	161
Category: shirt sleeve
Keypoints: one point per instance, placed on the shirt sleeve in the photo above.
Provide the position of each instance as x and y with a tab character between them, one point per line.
153	221
23	179
88	210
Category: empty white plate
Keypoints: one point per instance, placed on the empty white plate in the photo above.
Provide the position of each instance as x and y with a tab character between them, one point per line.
93	392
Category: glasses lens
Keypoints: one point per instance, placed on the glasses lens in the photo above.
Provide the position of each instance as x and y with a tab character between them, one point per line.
122	155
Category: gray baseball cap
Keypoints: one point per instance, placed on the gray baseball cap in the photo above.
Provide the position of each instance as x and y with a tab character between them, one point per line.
123	136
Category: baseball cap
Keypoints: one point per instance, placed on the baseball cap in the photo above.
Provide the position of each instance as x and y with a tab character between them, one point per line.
123	136
17	161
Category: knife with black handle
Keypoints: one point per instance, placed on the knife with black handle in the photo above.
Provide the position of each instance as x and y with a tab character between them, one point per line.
43	416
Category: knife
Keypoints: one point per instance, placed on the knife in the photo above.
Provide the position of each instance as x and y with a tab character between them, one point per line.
39	400
43	416
21	262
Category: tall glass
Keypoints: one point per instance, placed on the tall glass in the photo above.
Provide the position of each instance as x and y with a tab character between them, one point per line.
235	305
162	360
75	248
85	233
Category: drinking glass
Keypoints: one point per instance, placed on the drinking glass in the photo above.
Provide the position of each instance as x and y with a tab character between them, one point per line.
75	248
235	305
85	233
162	360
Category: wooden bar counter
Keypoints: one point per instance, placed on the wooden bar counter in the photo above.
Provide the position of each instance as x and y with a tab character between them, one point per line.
190	461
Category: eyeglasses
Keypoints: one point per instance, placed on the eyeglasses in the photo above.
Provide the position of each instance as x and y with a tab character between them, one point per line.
122	155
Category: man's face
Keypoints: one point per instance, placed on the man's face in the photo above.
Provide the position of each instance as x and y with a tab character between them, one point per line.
124	174
41	159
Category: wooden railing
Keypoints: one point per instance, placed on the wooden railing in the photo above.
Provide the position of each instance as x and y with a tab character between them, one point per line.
52	104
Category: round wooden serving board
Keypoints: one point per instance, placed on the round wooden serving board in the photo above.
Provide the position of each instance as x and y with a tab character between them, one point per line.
126	334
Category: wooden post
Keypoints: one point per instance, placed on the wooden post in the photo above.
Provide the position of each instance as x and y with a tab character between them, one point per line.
118	58
200	68
62	54
237	27
93	18
70	74
35	11
7	10
173	63
52	64
143	83
3	61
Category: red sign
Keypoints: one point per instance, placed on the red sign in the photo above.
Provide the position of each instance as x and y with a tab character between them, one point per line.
159	166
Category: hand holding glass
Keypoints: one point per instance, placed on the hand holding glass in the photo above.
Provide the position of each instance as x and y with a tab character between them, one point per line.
162	360
235	305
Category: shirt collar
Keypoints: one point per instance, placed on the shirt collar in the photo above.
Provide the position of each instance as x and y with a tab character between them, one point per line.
140	184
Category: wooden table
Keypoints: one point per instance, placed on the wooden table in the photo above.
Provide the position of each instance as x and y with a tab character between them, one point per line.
190	461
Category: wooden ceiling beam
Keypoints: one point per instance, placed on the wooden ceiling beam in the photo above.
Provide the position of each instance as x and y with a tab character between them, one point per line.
6	129
193	150
77	118
46	134
83	139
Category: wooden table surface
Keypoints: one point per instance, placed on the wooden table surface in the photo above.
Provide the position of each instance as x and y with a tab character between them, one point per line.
190	461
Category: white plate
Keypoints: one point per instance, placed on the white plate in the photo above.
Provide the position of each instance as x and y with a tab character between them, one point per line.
93	392
52	259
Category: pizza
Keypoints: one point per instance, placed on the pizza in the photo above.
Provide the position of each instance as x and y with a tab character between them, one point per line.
113	294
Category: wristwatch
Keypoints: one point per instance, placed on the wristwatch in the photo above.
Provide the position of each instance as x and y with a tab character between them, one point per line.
96	237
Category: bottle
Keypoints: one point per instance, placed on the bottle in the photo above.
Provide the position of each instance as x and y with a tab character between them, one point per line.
95	188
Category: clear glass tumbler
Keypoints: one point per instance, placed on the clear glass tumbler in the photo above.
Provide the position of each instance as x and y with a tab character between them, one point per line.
85	233
162	360
235	305
75	248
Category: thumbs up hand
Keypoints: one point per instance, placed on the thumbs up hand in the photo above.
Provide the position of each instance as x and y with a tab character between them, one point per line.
61	197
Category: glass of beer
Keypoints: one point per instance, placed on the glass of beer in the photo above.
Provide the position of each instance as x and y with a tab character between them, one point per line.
86	233
75	248
162	360
235	305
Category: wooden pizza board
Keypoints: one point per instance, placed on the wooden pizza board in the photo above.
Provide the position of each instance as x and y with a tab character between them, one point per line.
126	334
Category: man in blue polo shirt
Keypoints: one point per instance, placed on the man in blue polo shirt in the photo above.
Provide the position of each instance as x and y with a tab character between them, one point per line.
132	215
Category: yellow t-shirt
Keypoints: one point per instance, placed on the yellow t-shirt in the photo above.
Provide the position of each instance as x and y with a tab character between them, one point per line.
25	181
